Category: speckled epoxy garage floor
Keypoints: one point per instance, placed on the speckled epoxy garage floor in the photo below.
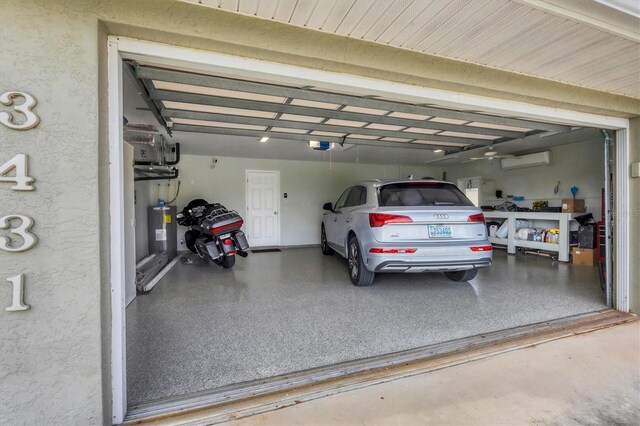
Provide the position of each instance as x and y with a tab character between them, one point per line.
203	327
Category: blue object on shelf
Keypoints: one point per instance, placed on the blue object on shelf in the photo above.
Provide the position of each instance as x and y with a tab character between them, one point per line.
574	191
518	198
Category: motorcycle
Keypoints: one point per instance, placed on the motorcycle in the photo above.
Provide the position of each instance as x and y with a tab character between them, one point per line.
214	232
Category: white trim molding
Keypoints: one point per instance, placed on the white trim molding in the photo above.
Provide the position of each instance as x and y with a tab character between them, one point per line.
621	236
116	210
238	67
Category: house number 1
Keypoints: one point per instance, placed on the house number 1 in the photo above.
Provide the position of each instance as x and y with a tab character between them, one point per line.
18	294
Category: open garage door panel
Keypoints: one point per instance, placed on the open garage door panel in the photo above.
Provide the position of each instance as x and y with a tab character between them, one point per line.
293	309
189	102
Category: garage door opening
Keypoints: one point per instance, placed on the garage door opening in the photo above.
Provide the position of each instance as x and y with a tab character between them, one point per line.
195	327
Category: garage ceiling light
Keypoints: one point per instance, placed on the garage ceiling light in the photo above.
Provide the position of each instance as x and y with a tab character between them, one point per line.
218	109
364	110
468	135
349	123
384	127
314	104
302	118
448	120
264	139
191	122
437	150
188	88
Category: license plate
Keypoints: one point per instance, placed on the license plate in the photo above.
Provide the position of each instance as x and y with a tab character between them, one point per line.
440	231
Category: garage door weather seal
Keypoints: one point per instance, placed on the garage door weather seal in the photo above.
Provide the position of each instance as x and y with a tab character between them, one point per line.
324	381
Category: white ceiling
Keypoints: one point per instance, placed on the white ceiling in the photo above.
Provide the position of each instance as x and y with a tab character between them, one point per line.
580	42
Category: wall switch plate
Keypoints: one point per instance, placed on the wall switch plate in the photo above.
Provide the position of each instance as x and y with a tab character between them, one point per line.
635	169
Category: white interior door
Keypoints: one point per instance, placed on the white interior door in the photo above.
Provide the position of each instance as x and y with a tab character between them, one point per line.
263	208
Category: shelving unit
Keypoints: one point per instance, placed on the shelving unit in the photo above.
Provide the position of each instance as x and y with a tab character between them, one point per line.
563	221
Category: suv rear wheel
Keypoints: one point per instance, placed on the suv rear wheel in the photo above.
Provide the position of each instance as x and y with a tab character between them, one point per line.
467	275
360	276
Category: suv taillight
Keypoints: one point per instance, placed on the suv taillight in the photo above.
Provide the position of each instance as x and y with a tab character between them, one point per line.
377	220
479	217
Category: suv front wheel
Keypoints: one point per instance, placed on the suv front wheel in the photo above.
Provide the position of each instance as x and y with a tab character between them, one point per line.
324	244
360	276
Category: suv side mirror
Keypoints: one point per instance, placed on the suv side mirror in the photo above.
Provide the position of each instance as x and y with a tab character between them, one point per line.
327	206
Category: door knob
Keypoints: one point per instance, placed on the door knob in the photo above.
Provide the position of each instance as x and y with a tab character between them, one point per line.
275	212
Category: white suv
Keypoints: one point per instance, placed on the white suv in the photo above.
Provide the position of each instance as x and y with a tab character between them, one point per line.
406	226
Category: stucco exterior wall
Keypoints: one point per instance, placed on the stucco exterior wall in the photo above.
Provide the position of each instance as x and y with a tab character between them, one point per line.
50	356
54	359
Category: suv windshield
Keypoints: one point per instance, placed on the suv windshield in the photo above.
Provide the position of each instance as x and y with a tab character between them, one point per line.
421	194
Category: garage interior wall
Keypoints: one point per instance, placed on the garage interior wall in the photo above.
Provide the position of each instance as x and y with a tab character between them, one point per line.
54	356
308	184
577	164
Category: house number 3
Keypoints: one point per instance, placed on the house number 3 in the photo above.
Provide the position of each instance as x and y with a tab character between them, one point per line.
28	239
18	225
26	107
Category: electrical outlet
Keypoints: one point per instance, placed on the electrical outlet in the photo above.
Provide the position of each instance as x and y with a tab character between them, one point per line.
635	169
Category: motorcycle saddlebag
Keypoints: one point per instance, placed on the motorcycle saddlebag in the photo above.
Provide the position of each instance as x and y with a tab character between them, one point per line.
241	240
212	248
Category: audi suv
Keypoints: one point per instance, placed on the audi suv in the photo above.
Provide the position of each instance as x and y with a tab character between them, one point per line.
406	226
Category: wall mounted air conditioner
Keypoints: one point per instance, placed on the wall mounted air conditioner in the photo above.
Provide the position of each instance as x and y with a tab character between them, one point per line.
530	160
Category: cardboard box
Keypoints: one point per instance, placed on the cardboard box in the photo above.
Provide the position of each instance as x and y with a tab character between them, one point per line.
583	256
570	205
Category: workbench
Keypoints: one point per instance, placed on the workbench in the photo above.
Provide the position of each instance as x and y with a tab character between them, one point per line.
563	221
